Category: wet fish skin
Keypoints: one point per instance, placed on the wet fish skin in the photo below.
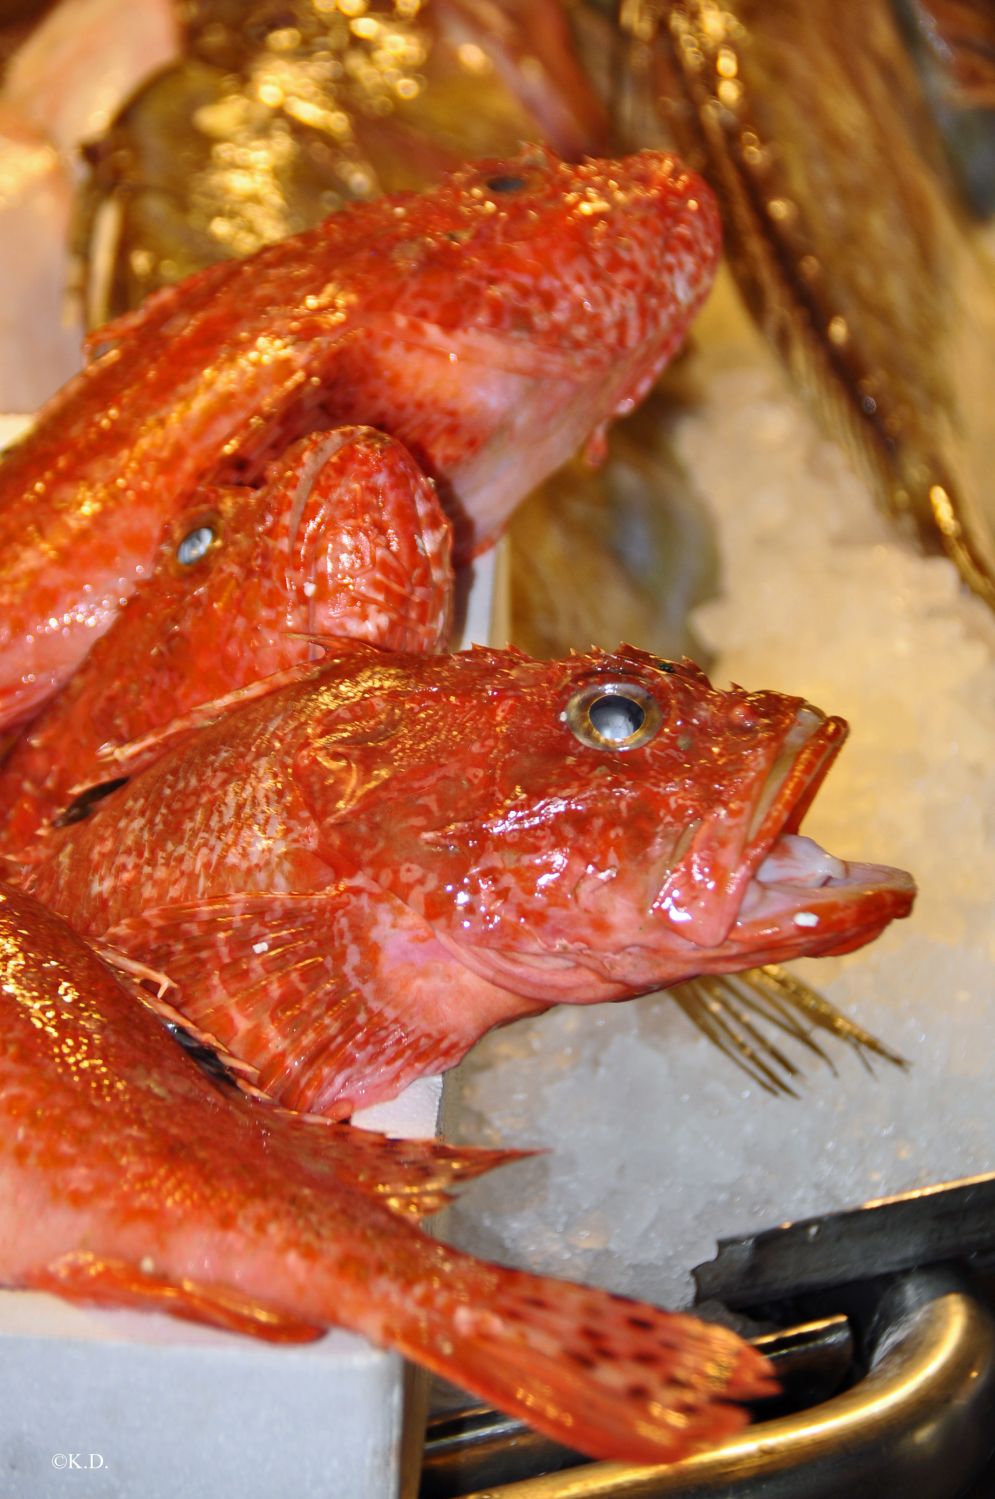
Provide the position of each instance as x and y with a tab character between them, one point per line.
127	1177
345	538
365	864
494	329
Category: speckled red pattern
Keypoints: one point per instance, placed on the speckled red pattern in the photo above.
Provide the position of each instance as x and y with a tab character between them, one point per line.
356	874
346	538
493	329
126	1177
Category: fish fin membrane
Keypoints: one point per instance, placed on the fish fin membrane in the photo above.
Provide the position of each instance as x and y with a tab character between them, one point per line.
81	1276
266	976
604	1375
731	1009
410	1177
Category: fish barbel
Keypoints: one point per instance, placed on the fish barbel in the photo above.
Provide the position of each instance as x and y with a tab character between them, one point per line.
127	1177
345	538
365	864
493	325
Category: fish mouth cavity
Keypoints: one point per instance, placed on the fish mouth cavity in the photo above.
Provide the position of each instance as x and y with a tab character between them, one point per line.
795	880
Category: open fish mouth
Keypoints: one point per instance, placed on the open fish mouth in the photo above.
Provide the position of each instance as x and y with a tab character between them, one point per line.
799	897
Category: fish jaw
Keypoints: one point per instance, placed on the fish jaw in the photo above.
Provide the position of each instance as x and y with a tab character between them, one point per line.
368	546
702	893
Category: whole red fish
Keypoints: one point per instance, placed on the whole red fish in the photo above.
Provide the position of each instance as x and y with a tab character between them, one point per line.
346	538
360	868
493	325
128	1177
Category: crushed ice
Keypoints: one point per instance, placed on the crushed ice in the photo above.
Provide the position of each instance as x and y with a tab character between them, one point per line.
658	1144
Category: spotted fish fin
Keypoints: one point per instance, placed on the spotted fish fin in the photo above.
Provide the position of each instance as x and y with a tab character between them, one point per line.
336	1000
597	1372
410	1177
81	1276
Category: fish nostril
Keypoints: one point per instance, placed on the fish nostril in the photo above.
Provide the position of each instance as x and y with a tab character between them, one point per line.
506	184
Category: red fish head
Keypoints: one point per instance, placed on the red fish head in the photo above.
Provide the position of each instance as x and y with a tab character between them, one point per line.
510	314
601	826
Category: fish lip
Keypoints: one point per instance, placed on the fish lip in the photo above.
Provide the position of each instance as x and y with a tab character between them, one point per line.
800	785
843	910
703	893
841	914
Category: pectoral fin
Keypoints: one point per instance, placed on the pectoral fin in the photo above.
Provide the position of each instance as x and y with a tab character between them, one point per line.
337	1000
81	1276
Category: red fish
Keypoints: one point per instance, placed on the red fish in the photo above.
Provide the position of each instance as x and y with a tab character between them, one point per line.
347	538
128	1177
493	325
360	871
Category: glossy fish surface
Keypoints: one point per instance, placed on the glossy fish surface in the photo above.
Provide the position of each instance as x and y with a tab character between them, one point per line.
128	1177
345	538
362	866
493	325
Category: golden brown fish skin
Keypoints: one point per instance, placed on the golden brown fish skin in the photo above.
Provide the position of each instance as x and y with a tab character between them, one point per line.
849	249
127	1177
274	118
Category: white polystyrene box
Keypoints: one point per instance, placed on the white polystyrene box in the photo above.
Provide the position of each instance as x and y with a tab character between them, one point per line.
117	1404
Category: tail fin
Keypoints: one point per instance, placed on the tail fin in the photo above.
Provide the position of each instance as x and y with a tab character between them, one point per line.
607	1376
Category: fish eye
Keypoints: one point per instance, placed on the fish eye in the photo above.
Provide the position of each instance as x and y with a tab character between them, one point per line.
506	184
195	545
613	715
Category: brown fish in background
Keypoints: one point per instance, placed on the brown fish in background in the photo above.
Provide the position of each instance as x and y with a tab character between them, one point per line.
845	237
276	116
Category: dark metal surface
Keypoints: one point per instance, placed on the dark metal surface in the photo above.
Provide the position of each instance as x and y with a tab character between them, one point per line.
477	1446
950	1220
920	1423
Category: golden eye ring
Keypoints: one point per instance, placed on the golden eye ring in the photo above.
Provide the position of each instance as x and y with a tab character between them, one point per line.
613	715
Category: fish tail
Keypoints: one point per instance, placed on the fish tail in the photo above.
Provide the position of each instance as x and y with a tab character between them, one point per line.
599	1373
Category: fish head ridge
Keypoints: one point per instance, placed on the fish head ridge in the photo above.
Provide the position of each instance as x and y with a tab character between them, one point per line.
505	318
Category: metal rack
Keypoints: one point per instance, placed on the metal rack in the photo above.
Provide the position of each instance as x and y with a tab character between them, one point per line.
903	1381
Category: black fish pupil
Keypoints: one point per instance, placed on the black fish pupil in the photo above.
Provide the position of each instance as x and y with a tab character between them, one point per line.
506	184
616	717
